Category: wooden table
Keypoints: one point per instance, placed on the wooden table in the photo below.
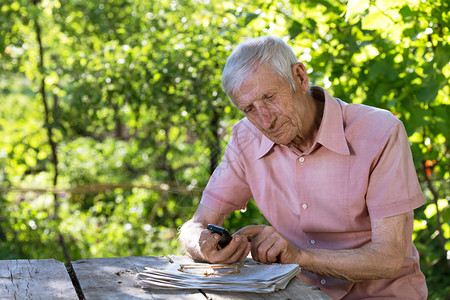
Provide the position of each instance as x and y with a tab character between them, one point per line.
113	278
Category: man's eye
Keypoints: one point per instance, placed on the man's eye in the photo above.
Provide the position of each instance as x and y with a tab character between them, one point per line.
270	96
248	109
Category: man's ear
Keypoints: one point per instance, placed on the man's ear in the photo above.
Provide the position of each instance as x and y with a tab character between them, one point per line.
300	77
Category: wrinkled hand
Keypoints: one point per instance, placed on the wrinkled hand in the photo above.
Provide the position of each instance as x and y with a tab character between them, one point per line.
236	250
269	246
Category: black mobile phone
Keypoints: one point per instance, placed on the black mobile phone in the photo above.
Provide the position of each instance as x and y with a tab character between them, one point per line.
226	236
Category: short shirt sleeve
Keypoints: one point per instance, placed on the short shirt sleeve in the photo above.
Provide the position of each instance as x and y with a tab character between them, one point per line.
393	185
227	189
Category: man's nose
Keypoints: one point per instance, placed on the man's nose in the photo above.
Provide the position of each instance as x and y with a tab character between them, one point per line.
265	117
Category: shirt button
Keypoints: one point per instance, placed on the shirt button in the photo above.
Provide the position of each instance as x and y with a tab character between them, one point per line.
305	206
313	242
323	281
301	159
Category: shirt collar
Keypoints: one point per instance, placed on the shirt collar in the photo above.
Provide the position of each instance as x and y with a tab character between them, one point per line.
265	146
331	131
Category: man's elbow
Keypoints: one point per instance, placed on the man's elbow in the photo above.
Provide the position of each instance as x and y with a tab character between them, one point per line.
393	266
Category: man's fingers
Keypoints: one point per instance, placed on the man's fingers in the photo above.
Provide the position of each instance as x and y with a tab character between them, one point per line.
275	250
210	240
250	231
233	252
235	249
262	249
246	252
268	245
274	253
208	247
257	233
243	248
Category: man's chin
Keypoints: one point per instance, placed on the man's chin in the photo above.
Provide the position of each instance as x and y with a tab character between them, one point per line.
279	140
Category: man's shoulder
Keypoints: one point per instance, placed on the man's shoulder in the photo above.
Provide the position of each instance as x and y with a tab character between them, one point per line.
245	140
367	121
354	112
245	129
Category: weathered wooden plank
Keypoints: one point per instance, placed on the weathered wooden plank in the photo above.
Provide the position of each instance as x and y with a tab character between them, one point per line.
296	289
35	279
115	278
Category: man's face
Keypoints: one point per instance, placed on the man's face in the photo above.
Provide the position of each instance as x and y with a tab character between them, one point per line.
269	103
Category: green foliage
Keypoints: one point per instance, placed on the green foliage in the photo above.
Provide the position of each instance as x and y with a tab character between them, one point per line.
136	109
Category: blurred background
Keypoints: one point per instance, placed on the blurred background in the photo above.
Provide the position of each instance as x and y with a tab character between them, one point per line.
112	115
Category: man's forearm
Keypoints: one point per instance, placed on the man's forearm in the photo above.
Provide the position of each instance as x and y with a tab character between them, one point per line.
189	236
382	258
368	263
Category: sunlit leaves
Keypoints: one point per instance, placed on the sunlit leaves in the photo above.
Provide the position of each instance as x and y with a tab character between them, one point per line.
356	8
135	96
132	87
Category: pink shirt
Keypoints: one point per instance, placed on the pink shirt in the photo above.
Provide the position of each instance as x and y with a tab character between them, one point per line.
360	167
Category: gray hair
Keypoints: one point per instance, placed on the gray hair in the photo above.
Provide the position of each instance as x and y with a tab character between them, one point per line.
251	54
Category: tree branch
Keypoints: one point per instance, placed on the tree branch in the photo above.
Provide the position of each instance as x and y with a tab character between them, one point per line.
47	124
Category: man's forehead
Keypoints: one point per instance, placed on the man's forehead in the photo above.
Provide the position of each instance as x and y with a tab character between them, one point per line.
256	85
250	86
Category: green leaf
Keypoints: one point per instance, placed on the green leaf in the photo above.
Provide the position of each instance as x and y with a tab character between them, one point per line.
356	8
295	29
406	13
428	91
375	20
441	55
410	32
446	214
249	17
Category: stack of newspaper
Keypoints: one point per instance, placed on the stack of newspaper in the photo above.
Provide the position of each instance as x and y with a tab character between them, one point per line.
257	278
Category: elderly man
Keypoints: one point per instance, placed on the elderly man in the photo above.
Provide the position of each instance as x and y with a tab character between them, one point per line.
335	180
